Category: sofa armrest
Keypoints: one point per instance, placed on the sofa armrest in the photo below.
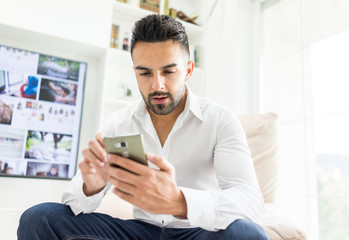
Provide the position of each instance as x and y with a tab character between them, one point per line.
278	228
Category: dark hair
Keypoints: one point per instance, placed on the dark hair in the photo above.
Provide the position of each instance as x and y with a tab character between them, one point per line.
55	166
66	90
159	28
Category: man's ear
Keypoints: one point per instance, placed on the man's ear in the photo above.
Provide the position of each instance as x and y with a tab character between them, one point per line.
190	69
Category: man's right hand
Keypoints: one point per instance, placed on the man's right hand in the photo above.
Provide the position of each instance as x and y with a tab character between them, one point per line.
94	167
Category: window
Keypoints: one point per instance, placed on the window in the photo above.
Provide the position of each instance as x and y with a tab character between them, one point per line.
306	82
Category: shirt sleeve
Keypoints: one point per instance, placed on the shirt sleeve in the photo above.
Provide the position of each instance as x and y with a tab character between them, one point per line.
74	196
239	196
76	199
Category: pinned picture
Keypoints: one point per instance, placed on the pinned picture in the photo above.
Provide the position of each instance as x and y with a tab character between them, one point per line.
58	91
12	167
58	67
6	111
18	84
47	169
11	142
49	147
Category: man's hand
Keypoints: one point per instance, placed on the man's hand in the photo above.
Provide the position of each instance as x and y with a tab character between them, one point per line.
94	169
152	190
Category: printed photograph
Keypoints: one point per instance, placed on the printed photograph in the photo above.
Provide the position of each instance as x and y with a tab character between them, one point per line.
12	167
18	60
49	147
18	84
47	169
58	67
11	142
6	111
58	92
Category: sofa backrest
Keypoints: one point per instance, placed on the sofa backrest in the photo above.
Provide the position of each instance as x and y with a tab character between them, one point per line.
261	134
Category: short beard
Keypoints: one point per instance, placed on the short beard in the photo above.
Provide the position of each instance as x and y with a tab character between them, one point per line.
162	109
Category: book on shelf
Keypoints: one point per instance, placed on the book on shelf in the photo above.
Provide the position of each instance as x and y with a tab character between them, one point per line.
167	7
151	5
125	42
114	37
196	55
173	12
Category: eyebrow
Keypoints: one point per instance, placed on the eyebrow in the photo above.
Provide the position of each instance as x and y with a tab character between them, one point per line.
164	67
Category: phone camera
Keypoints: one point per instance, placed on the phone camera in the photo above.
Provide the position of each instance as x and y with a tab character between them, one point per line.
123	144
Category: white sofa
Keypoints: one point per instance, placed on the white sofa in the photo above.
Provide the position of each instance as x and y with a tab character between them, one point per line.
261	134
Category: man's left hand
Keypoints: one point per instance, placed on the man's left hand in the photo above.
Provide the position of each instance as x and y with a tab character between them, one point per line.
152	190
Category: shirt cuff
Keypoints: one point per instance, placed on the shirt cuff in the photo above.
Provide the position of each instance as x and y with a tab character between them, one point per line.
89	203
200	208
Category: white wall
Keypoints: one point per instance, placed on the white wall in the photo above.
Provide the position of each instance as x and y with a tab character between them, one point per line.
62	29
229	58
79	20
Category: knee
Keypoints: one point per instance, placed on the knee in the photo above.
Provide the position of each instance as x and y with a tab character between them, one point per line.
244	229
37	217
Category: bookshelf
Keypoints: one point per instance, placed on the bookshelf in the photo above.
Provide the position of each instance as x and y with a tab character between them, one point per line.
118	69
130	13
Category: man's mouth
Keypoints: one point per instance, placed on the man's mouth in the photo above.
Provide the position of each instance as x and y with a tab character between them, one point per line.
160	99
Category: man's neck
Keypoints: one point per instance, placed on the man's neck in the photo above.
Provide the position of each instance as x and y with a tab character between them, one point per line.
163	124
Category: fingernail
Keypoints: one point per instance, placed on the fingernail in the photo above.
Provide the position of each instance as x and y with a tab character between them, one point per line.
150	155
101	164
109	156
93	170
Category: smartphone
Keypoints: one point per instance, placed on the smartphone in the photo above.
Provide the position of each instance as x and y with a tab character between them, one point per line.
128	146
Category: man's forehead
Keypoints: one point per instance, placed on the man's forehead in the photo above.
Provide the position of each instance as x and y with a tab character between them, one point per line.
158	54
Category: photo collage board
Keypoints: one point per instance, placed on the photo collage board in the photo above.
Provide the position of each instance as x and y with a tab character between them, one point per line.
41	100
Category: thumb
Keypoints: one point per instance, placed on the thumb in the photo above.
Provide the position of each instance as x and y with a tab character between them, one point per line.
160	162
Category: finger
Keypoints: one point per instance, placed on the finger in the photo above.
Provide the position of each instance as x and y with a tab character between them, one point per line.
99	137
97	150
123	175
91	159
122	186
126	163
160	162
86	169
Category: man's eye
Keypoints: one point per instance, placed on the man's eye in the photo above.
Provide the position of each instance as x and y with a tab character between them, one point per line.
145	74
169	72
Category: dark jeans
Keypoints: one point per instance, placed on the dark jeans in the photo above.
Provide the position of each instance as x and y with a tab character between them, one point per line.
51	221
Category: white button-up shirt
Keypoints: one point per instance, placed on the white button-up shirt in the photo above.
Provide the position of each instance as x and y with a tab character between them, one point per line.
208	148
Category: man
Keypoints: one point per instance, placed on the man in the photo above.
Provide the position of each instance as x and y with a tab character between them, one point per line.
53	172
201	182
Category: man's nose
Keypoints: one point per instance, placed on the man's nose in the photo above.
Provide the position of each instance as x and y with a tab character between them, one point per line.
158	82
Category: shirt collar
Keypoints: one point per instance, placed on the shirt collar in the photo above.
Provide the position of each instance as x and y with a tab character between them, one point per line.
192	105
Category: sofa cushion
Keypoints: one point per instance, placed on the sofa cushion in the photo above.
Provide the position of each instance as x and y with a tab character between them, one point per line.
278	228
261	134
